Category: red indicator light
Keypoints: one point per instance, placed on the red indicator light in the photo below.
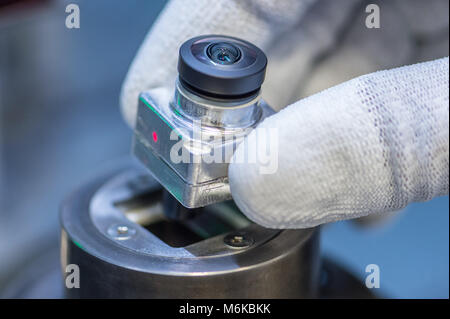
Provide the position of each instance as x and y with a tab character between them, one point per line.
155	137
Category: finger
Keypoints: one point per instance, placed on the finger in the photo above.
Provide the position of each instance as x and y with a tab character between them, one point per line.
370	145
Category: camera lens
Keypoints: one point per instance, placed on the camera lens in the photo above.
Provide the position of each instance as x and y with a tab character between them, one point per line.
221	67
223	53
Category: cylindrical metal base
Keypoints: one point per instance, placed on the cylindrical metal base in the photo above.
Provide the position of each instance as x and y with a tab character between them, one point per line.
113	229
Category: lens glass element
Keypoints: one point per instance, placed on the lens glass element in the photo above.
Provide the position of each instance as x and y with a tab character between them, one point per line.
223	53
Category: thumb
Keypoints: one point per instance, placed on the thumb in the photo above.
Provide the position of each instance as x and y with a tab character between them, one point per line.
370	145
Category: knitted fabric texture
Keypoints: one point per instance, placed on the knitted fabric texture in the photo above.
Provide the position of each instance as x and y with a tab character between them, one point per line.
370	145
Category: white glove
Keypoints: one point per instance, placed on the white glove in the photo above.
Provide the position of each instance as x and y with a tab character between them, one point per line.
370	145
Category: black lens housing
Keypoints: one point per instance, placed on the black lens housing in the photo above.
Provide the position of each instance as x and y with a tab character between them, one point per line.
221	66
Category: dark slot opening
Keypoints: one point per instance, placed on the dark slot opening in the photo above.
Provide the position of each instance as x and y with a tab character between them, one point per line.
147	210
173	233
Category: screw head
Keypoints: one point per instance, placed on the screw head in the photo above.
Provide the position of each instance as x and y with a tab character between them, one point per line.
238	240
122	229
121	232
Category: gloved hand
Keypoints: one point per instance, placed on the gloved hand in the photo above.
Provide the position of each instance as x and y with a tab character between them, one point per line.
370	145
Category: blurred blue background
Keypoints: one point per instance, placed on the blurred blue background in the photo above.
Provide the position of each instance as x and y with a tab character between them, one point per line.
411	249
60	124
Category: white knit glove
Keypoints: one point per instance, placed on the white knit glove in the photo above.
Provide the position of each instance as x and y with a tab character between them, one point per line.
370	145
